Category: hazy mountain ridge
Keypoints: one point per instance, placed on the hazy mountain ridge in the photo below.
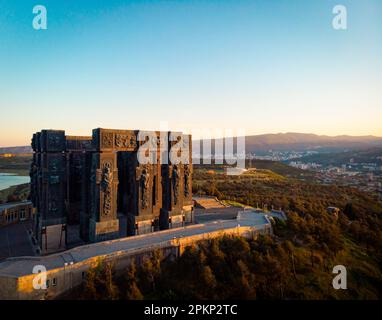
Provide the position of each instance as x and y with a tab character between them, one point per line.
280	141
307	141
293	137
16	150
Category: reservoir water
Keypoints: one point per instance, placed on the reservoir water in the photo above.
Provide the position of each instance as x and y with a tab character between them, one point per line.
8	179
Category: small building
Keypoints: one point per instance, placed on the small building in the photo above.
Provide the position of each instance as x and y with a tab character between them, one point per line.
333	211
234	171
6	155
15	212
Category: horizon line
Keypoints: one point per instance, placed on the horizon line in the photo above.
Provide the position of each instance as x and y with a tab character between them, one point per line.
249	135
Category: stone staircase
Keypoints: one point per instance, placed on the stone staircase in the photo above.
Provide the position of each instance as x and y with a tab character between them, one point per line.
208	203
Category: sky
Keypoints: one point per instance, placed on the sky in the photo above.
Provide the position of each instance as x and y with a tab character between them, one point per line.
261	66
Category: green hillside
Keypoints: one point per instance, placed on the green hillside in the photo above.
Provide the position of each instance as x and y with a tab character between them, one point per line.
15	193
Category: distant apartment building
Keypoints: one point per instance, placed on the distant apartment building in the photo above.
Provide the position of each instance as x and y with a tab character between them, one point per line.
15	212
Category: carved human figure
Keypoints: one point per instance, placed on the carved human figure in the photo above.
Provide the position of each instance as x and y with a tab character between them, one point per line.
186	180
107	179
175	183
144	185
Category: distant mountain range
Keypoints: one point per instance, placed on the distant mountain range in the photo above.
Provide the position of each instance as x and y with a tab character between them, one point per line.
282	142
303	142
16	150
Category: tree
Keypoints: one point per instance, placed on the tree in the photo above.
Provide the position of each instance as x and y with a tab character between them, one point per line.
349	211
108	288
99	283
150	271
290	248
13	198
246	283
129	283
89	288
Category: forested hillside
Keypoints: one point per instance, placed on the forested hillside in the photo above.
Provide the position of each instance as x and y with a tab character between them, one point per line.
296	263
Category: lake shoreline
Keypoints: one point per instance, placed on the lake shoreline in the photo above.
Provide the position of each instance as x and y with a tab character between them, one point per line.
17	172
10	179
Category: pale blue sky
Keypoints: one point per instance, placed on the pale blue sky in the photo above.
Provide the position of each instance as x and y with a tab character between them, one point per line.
264	66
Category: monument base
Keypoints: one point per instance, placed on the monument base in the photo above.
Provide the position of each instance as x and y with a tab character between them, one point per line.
53	238
103	230
141	225
176	219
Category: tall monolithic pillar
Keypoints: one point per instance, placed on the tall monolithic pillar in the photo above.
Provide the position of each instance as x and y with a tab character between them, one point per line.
104	223
79	154
49	189
187	171
35	173
177	183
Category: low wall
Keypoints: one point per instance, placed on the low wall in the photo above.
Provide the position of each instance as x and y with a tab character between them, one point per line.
67	277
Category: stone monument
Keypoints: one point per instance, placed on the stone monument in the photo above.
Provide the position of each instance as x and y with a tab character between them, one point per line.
93	181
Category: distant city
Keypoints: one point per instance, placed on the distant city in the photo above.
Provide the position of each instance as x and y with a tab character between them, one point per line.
363	175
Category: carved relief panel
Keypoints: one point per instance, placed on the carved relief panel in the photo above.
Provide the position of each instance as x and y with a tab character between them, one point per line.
187	180
144	177
53	186
125	140
104	186
175	183
114	140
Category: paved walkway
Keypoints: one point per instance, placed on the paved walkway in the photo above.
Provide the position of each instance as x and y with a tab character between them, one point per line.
23	266
209	215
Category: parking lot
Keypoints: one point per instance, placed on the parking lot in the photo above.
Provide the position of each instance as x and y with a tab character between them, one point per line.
14	241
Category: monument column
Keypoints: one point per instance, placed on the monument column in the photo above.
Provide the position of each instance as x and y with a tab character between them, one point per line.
51	186
104	223
177	183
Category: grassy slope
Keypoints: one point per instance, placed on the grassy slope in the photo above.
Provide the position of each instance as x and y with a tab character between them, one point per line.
18	165
21	191
281	169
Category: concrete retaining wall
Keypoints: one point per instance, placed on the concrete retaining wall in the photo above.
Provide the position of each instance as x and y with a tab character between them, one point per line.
67	277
